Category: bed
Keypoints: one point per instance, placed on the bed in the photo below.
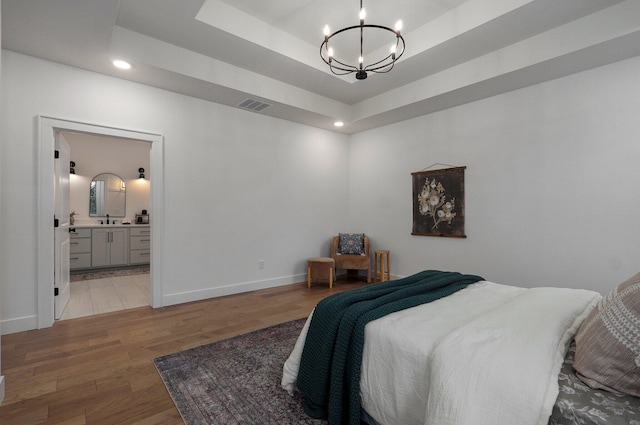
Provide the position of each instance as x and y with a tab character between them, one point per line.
485	353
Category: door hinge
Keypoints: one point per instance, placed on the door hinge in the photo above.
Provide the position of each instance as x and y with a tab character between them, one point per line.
56	222
55	292
56	154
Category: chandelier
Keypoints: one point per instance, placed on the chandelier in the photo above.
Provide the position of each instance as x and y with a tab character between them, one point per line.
377	65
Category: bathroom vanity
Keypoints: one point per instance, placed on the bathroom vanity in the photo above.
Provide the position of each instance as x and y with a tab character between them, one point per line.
114	245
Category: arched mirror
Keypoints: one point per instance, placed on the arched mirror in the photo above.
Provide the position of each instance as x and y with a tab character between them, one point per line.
107	195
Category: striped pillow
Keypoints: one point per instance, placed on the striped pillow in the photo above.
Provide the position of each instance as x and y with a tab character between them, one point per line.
608	341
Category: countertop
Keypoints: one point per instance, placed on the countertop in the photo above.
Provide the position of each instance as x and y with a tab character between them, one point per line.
98	225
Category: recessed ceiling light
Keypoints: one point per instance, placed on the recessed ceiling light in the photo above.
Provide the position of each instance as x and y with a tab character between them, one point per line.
118	63
338	123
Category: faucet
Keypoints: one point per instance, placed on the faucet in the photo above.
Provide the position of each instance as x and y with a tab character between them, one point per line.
107	218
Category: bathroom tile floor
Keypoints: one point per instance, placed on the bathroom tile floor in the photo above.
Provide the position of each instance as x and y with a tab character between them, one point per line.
107	294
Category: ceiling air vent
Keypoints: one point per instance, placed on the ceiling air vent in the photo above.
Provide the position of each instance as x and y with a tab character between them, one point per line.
253	105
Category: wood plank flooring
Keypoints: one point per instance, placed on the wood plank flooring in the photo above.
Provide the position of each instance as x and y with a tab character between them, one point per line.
99	369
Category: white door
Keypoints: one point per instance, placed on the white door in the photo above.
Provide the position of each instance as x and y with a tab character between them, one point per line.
61	233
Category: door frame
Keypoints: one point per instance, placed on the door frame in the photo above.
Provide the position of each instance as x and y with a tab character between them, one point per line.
46	129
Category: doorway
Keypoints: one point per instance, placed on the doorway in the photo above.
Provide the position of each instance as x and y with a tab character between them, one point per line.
48	127
107	186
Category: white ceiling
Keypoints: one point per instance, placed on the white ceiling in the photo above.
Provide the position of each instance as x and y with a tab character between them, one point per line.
229	50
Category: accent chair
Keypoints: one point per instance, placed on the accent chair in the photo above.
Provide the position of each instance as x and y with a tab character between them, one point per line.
351	252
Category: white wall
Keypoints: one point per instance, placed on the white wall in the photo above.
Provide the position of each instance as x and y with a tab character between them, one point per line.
551	183
239	187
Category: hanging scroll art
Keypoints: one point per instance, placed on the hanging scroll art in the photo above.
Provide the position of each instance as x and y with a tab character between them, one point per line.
438	202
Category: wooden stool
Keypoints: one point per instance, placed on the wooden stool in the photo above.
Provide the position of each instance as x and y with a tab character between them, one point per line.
320	267
381	257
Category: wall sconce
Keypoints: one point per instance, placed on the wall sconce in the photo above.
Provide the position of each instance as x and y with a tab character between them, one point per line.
141	171
72	169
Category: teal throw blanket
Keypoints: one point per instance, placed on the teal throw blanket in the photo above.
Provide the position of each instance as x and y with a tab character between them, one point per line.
329	375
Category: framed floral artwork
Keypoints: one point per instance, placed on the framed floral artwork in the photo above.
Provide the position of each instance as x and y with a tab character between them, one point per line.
438	202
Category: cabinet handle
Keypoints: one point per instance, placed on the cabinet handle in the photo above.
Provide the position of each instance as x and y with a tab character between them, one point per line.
145	240
144	253
74	258
74	243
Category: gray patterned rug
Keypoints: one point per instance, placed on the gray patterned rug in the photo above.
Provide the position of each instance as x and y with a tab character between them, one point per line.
236	381
79	275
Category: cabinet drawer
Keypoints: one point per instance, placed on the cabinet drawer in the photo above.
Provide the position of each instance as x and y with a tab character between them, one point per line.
140	231
140	242
80	233
80	245
139	257
80	261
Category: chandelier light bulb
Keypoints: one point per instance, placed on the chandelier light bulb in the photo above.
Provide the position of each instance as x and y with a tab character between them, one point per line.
393	51
399	26
363	14
360	60
330	52
327	31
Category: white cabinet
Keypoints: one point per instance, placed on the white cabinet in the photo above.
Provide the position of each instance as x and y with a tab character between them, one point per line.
80	248
109	247
139	245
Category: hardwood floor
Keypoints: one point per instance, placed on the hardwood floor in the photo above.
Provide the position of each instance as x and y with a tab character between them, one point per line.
99	369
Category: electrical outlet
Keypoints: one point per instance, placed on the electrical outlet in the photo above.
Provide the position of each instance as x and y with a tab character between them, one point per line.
261	264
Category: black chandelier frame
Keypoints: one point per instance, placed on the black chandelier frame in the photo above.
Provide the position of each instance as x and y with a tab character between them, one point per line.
384	65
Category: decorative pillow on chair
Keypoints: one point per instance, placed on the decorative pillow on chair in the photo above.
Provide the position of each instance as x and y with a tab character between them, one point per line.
351	243
608	341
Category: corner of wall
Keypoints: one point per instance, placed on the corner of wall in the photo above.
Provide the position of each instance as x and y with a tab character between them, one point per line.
1	376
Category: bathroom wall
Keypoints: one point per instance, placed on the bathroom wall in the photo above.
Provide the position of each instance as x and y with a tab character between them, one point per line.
93	155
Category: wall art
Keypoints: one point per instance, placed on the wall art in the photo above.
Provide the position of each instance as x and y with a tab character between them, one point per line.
438	202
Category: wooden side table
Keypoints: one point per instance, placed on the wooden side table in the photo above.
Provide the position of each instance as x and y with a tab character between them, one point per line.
320	267
381	256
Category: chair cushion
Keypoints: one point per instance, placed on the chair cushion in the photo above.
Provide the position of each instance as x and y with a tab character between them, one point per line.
351	243
608	341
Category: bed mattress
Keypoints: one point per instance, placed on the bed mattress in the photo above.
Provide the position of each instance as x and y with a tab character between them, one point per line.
414	372
457	358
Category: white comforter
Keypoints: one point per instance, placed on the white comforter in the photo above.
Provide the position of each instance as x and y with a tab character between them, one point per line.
488	354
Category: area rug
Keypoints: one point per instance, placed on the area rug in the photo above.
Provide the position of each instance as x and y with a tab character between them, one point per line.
236	381
77	276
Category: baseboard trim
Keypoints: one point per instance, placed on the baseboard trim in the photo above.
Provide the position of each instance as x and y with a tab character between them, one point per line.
19	324
237	288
